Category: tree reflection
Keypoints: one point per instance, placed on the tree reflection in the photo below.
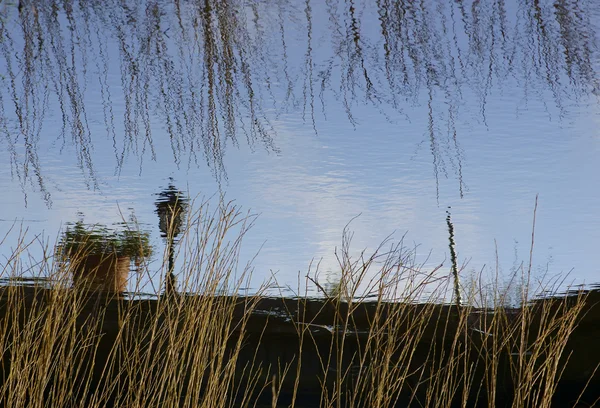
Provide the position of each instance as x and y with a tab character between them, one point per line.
214	72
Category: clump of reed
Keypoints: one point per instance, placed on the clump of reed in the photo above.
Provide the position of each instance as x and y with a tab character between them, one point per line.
383	338
417	350
67	347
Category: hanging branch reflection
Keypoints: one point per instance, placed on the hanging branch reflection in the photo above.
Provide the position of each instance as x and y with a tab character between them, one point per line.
206	72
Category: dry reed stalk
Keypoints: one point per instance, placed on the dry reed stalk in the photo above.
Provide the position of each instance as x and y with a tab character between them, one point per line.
390	342
467	350
183	352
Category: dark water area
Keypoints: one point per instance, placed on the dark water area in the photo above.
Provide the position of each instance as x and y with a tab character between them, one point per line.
274	335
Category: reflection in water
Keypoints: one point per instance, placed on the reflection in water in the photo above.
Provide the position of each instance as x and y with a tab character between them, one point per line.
37	282
171	207
215	72
101	257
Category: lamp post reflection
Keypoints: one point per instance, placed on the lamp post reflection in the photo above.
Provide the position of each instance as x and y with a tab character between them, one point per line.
171	207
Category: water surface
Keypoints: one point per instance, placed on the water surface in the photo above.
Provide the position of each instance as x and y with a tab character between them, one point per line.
313	116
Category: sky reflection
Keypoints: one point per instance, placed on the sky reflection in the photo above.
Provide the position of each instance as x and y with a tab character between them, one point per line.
354	124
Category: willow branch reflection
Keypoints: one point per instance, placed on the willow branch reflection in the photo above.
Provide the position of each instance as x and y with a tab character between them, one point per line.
213	72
